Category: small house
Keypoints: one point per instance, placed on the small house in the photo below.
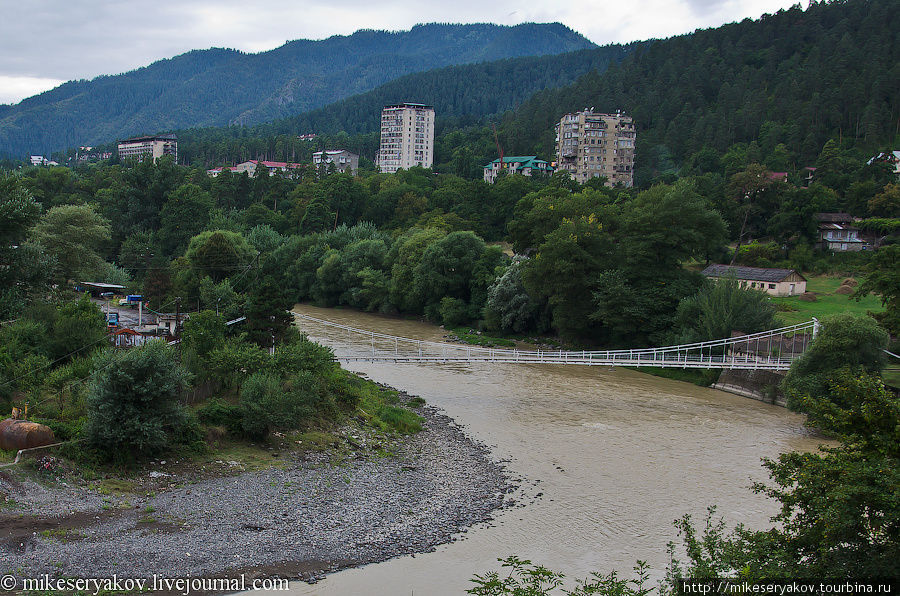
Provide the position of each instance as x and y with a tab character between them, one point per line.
775	282
836	232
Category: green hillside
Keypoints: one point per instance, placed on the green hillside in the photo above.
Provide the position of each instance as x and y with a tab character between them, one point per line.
221	86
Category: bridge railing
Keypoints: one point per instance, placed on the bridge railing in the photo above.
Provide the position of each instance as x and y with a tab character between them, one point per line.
764	350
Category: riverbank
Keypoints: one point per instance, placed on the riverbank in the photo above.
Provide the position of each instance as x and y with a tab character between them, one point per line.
312	514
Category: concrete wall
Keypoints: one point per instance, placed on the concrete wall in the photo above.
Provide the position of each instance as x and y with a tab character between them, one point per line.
761	385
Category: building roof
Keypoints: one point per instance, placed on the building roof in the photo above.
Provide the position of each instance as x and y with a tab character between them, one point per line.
833	226
420	106
166	137
524	161
833	217
101	286
749	273
334	152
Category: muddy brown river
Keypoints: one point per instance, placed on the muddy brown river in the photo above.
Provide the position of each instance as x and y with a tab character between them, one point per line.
608	458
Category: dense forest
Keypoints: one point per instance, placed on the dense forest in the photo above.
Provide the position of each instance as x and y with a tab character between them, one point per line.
778	87
220	86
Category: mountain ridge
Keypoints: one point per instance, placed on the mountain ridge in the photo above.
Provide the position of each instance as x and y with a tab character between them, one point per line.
220	86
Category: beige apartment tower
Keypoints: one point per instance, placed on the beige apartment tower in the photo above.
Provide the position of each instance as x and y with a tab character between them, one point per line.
407	137
589	145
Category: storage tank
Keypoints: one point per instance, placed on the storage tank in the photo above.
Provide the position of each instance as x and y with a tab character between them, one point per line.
21	434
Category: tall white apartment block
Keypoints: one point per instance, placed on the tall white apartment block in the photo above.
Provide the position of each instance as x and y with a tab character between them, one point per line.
589	145
407	137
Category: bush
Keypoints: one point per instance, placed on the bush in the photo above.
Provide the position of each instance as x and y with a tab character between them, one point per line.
267	403
302	355
133	403
217	412
453	311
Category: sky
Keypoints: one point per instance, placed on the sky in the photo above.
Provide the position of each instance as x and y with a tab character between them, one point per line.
43	44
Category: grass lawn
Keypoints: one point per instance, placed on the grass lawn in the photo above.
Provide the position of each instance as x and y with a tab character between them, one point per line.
828	303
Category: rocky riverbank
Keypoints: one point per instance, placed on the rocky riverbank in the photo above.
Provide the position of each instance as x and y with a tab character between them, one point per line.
313	514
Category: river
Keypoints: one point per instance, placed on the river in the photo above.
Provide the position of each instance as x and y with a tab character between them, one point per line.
608	458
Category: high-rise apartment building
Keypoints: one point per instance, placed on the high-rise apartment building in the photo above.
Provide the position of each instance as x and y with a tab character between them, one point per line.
407	137
152	146
590	145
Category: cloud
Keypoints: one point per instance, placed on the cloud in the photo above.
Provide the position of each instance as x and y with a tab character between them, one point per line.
13	89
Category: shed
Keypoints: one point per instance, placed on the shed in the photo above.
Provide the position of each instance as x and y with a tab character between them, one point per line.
775	282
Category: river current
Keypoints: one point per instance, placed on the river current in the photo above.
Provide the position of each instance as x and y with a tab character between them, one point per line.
608	459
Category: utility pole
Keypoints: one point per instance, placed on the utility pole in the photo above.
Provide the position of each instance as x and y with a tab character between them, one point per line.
178	324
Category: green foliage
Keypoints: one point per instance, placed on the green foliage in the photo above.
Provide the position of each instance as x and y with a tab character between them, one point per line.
217	412
302	355
76	326
453	311
527	579
399	419
25	277
73	235
204	332
883	278
185	214
843	340
264	239
219	253
236	360
508	307
720	308
133	403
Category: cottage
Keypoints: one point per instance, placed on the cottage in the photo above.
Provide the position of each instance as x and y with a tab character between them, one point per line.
837	232
775	282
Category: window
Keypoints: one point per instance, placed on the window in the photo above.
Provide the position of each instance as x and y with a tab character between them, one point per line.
771	286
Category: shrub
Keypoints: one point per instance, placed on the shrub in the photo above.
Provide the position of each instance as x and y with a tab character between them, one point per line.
133	407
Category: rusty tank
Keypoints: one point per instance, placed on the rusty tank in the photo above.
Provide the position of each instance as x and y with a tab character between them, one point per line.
19	434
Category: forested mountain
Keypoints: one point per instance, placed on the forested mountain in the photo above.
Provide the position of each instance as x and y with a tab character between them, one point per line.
783	84
220	86
462	95
775	89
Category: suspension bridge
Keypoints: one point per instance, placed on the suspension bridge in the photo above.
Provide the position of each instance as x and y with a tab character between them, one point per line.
769	350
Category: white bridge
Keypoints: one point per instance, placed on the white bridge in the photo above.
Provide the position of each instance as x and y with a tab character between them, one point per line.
769	350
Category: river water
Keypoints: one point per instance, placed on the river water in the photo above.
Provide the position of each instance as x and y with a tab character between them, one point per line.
608	459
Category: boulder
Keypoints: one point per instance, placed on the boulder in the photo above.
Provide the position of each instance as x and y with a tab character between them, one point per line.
19	434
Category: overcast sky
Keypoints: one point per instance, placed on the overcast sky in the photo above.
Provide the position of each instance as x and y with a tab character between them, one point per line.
43	44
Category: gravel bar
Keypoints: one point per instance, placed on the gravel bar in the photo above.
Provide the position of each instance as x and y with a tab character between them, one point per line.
307	518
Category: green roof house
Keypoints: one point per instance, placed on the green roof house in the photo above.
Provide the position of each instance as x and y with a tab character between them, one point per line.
526	165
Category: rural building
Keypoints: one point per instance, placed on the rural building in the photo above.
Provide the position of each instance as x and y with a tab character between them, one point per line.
836	232
526	166
407	137
589	145
892	158
150	146
776	282
252	165
343	160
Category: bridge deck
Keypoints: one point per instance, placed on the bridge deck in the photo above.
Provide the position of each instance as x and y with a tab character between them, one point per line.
768	350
